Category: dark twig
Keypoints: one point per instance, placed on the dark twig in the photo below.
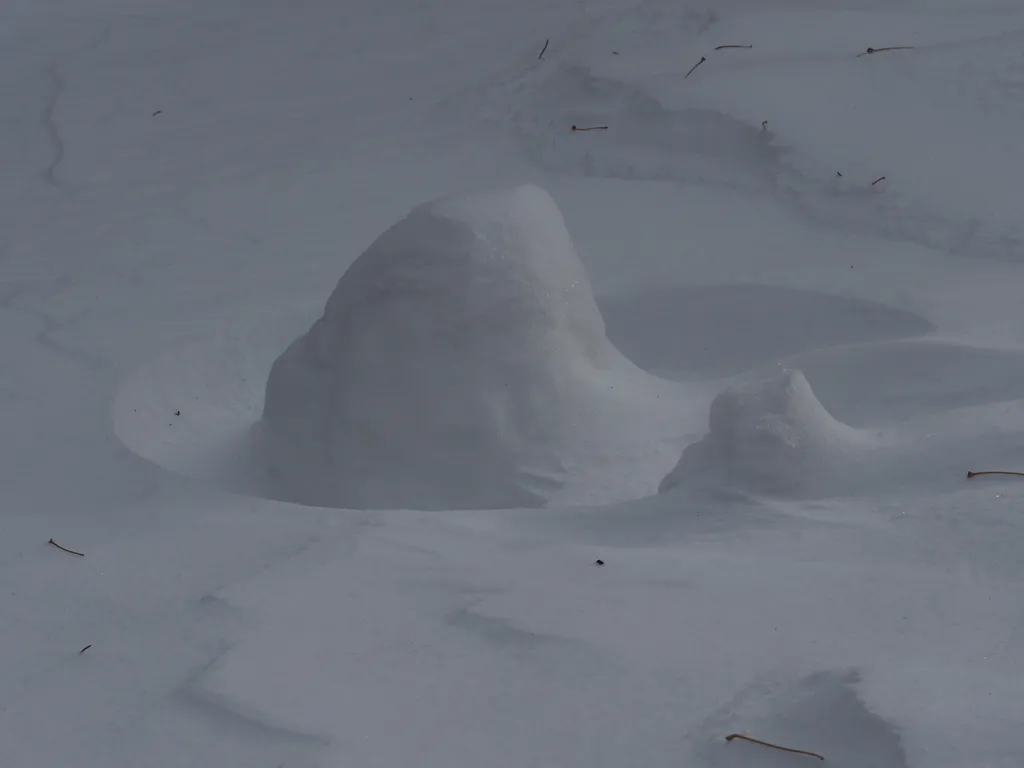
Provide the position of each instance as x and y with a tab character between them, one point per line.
764	125
65	549
158	112
720	47
993	472
702	60
591	128
542	50
890	48
732	736
84	649
880	178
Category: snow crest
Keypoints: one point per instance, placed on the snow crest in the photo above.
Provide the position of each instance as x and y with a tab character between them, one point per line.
773	436
461	362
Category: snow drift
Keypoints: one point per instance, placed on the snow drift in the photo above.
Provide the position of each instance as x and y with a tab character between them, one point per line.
461	362
773	436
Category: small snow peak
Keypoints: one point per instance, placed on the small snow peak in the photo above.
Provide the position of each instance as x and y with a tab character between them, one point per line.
773	436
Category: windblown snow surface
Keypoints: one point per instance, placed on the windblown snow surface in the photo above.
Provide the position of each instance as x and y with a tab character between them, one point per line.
757	326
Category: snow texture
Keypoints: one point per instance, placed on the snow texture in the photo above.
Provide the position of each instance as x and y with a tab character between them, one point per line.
470	325
184	183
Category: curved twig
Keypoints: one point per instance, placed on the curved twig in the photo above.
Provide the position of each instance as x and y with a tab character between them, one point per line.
732	736
889	48
65	549
993	472
702	60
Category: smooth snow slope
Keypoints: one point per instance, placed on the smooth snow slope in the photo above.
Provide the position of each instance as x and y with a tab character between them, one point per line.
185	182
462	362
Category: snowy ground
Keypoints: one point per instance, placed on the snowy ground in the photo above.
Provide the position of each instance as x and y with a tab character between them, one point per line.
184	181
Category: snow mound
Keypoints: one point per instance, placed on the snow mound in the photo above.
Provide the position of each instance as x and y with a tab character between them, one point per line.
461	362
773	436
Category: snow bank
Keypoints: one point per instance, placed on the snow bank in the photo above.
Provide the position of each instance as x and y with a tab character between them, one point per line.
461	362
774	436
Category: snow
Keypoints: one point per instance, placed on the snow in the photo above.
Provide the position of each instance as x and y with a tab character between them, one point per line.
186	182
460	362
774	437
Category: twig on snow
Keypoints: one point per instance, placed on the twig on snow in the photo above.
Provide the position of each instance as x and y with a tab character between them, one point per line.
993	472
890	48
85	649
764	125
591	128
720	47
65	549
880	178
542	50
702	60
732	736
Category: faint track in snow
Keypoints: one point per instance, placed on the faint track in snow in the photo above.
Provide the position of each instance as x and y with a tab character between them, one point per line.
53	133
51	126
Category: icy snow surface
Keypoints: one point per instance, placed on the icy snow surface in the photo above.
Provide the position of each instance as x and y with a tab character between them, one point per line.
824	352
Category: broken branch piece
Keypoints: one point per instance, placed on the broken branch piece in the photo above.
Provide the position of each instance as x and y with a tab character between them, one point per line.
591	128
889	48
720	47
732	736
702	60
993	472
542	50
65	549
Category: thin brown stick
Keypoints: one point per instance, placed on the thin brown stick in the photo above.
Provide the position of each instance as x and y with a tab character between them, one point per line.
720	47
591	128
542	50
890	48
993	472
732	736
65	549
702	60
